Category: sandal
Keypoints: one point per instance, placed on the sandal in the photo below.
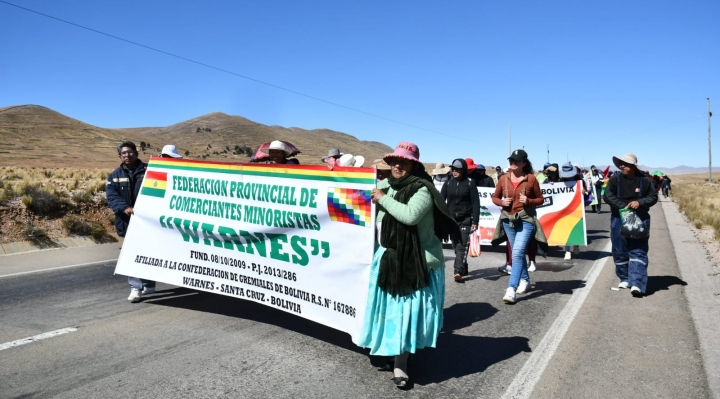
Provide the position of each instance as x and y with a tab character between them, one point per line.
401	382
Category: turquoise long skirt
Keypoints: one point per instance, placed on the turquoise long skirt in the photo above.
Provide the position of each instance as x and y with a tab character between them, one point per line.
395	325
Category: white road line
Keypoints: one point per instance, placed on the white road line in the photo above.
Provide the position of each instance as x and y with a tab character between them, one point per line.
522	386
58	268
28	340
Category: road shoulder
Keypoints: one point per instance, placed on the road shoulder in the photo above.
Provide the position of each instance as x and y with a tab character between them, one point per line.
620	345
702	291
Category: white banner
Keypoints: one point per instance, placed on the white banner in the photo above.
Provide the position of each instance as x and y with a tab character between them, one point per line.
562	215
295	238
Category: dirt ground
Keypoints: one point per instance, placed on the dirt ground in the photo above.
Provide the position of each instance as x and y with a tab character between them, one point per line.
706	236
17	223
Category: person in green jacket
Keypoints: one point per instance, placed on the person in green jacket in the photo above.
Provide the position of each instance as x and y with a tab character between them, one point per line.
407	277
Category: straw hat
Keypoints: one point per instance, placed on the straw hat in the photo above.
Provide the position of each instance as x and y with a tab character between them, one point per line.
630	159
440	169
380	164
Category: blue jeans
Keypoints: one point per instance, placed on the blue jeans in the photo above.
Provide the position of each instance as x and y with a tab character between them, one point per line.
140	283
518	237
630	256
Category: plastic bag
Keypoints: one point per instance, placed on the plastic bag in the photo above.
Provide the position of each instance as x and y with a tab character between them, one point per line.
474	249
632	226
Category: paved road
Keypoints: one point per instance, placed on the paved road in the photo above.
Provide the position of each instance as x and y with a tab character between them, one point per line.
184	343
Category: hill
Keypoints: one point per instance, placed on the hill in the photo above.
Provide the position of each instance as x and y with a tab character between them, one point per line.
33	135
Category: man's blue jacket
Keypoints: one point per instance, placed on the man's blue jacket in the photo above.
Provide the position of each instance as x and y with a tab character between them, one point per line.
121	190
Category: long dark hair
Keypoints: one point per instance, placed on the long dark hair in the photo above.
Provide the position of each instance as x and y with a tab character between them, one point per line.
528	167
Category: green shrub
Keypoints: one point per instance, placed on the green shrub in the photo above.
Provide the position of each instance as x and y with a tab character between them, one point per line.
5	195
75	224
98	231
36	234
39	200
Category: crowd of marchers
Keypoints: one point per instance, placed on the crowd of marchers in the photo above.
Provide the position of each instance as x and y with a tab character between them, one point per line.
417	211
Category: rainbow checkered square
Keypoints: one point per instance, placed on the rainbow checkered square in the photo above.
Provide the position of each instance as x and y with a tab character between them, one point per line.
349	206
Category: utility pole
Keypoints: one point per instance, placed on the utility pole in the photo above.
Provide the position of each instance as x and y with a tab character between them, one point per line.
509	146
709	143
548	148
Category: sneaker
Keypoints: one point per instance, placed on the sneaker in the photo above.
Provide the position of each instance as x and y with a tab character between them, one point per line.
509	295
568	256
135	295
507	269
148	290
635	291
531	266
576	250
623	285
458	277
522	287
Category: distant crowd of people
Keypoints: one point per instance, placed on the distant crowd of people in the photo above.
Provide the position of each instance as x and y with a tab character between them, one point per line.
414	217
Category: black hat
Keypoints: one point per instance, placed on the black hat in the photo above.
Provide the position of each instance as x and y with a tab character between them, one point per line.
519	155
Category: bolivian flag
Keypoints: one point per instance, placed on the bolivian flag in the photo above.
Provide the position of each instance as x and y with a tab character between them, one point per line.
154	184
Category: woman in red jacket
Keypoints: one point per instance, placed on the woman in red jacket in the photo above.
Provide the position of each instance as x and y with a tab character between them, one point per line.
518	192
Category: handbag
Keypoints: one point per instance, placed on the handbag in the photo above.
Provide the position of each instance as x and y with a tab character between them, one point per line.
632	226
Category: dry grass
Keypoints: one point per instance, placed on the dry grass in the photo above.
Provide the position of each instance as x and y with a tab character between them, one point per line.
84	183
698	200
35	203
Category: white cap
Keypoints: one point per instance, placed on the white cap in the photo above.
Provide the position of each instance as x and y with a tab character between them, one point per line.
171	151
350	160
279	145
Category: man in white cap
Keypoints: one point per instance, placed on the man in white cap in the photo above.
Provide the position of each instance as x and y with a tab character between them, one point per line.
278	153
169	151
634	190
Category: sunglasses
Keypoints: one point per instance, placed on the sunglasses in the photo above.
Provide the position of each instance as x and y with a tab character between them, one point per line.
514	161
127	152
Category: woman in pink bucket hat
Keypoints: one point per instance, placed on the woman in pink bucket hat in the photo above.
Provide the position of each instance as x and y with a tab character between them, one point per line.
407	277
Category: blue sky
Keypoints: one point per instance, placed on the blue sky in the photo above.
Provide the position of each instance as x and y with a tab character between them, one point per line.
589	79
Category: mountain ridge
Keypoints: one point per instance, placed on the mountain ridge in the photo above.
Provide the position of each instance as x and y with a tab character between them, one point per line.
34	135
